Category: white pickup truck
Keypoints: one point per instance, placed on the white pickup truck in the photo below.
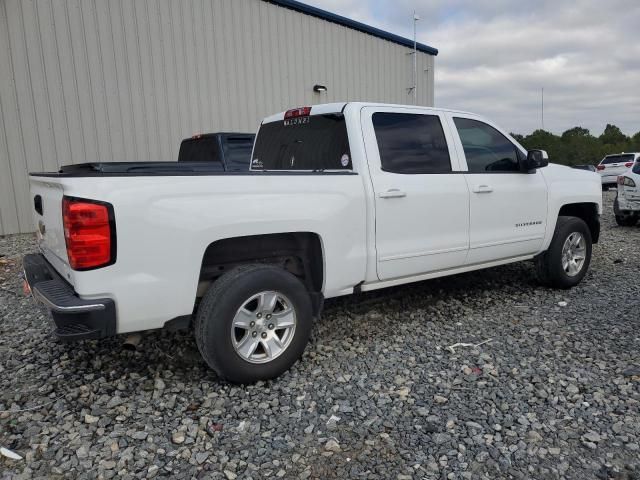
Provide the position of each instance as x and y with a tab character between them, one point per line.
341	198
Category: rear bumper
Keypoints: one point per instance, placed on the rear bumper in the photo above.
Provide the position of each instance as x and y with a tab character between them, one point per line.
75	318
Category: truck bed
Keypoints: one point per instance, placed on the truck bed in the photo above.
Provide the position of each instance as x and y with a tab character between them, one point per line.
165	169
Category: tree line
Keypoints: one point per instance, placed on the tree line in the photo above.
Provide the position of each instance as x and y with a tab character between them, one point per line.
577	146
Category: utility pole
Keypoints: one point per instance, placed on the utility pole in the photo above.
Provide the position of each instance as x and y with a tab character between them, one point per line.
542	110
415	59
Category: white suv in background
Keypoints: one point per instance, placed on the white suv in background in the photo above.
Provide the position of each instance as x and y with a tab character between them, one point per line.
627	203
613	165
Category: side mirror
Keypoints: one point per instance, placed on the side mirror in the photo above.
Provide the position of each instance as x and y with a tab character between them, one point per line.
536	159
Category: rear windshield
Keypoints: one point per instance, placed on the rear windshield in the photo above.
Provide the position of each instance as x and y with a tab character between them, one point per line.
202	149
237	152
316	142
616	159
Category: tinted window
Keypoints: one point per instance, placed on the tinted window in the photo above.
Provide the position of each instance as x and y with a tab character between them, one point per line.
485	148
636	168
411	143
315	142
237	151
616	159
201	149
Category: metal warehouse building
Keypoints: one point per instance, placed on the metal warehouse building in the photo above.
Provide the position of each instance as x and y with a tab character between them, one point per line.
125	80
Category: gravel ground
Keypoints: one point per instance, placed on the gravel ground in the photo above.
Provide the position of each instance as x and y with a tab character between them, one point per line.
555	393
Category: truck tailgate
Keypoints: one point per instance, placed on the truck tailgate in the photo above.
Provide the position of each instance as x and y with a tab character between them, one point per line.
47	196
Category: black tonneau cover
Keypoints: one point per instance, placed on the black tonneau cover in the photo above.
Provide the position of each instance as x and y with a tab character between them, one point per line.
141	168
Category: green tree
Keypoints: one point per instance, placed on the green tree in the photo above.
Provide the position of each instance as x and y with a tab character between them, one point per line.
576	132
541	139
577	145
519	138
612	135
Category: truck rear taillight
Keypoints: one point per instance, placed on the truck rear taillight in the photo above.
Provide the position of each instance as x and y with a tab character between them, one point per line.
628	164
626	181
600	167
89	232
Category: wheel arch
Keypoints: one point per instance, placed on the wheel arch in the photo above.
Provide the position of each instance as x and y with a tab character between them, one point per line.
586	211
300	253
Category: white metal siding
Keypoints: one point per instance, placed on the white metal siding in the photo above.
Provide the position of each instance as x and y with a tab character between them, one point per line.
92	80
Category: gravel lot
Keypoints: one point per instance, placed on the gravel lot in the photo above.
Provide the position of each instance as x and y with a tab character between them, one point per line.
555	393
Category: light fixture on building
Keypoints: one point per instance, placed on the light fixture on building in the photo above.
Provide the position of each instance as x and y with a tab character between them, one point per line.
319	88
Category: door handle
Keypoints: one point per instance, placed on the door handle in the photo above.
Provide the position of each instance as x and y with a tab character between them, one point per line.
392	193
482	189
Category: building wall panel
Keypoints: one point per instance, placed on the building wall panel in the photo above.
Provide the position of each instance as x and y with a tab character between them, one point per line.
119	80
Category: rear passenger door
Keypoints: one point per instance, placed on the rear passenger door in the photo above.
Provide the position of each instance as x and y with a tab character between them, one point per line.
421	197
508	207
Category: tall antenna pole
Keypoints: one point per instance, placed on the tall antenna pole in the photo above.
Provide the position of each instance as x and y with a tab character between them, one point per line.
415	59
542	108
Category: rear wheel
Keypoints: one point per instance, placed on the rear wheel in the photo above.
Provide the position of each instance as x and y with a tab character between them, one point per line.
253	323
567	260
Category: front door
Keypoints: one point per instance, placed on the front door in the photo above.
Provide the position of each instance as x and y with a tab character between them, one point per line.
508	207
421	197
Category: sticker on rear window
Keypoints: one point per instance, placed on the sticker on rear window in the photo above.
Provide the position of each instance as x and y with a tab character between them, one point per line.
344	160
256	163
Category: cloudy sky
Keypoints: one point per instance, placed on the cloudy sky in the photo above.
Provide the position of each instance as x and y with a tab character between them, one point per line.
495	56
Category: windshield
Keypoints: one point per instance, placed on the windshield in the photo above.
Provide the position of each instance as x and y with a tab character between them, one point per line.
315	142
617	159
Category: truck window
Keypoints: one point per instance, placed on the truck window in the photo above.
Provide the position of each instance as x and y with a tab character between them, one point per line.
485	148
199	149
315	142
237	152
411	143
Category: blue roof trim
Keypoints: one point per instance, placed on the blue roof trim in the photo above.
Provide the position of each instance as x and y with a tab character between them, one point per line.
347	22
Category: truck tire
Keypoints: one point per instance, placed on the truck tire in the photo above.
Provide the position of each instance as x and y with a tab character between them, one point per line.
253	323
567	260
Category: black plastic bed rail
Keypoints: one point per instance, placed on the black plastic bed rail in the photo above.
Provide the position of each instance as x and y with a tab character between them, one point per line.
141	167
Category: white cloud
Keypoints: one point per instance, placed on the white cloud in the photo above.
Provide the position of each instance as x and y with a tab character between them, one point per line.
495	56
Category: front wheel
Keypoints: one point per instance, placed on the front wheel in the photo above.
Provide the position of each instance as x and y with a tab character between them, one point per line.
253	323
567	260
